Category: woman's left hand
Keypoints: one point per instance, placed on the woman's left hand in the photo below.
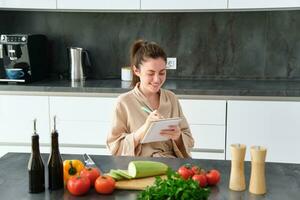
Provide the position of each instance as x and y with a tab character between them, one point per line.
173	132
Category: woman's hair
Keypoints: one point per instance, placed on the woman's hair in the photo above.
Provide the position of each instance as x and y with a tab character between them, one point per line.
142	50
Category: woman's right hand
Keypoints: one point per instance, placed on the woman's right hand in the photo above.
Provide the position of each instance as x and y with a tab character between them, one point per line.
153	116
139	134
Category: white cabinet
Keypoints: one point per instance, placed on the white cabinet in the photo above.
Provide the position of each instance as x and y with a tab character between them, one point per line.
182	4
16	116
207	123
253	4
272	124
99	4
83	122
30	4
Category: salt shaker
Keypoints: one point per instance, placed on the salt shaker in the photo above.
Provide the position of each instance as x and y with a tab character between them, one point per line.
237	176
257	179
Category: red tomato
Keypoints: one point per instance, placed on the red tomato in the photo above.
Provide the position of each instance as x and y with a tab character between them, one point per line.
92	173
185	172
201	179
196	169
213	177
78	185
105	185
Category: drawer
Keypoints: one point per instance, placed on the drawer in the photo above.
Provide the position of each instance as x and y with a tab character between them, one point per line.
91	151
23	131
62	149
17	114
204	111
82	108
209	136
85	132
210	156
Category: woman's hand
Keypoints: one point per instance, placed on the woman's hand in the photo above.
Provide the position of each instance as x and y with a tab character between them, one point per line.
153	116
173	132
139	134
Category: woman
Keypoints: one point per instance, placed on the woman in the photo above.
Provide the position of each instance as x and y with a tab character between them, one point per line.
130	122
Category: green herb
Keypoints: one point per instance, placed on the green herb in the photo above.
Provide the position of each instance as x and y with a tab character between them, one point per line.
173	188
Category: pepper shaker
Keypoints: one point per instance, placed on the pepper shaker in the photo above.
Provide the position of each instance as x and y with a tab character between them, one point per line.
257	179
237	176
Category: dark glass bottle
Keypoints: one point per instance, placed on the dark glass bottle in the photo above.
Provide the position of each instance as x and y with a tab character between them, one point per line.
55	164
36	168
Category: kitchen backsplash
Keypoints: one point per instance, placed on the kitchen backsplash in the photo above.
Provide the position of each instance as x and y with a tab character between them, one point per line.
221	45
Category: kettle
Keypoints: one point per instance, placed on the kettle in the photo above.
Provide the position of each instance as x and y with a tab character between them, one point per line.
78	70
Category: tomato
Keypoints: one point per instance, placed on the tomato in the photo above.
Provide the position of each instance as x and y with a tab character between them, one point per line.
196	169
213	177
201	179
185	172
78	185
92	173
105	185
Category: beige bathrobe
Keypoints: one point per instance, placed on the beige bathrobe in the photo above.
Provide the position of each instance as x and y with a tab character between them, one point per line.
129	117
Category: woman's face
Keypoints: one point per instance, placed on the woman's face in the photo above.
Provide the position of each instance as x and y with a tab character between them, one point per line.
152	74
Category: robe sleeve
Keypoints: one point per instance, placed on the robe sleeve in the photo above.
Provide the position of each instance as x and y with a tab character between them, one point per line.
119	141
187	141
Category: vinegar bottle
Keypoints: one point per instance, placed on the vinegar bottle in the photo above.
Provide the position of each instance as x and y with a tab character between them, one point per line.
55	164
36	168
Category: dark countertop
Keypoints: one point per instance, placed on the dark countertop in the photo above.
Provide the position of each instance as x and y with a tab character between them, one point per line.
269	88
282	180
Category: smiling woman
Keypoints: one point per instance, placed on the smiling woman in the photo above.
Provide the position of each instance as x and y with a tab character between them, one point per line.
130	122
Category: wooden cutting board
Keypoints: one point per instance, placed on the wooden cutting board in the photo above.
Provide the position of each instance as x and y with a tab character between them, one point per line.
136	184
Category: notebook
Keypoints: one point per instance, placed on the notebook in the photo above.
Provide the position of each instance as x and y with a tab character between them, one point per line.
153	132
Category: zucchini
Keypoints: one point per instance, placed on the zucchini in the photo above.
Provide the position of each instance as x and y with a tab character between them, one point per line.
140	168
123	173
112	173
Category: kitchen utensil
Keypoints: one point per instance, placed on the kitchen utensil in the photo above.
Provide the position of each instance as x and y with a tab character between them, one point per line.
88	161
77	68
237	176
136	184
257	180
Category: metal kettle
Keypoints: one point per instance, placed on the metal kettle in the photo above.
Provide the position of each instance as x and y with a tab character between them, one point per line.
78	69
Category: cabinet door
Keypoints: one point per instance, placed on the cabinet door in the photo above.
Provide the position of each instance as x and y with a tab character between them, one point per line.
207	123
211	112
263	4
16	116
274	125
209	141
30	4
99	4
182	4
209	137
82	121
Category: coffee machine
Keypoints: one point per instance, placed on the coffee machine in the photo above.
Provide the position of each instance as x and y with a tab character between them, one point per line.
26	53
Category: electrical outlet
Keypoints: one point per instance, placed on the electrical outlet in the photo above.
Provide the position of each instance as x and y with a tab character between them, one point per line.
171	63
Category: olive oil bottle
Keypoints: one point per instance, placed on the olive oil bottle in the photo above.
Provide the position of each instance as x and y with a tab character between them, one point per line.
55	164
36	169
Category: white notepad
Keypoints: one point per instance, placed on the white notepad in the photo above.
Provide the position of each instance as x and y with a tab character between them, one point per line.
153	132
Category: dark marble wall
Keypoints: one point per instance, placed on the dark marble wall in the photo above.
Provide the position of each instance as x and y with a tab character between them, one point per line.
223	45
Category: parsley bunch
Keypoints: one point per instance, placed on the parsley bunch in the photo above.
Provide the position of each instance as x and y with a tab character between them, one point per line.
173	188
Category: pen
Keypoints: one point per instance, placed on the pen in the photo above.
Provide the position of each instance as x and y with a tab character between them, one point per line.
146	109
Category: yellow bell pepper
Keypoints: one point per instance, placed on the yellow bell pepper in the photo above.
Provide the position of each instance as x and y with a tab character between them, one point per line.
72	168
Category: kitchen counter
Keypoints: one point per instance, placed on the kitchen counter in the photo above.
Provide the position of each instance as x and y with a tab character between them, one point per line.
283	180
225	89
